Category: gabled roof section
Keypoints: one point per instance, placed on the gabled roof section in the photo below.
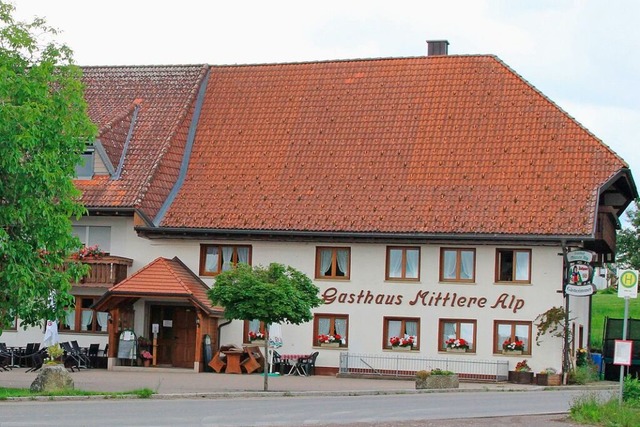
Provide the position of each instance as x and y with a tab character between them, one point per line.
164	278
141	114
432	145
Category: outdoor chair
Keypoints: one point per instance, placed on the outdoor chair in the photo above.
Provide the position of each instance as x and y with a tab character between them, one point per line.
92	354
84	358
37	360
5	357
308	364
70	358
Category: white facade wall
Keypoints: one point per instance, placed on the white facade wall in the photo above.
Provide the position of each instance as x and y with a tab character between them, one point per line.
367	274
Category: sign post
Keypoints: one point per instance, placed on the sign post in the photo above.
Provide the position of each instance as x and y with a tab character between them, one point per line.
627	288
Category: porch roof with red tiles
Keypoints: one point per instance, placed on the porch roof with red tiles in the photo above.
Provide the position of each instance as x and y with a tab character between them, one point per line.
164	278
164	97
443	144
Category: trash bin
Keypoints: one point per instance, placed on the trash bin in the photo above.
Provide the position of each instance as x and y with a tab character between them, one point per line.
597	360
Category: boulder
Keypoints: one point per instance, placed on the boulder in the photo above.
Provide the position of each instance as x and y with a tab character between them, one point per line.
52	378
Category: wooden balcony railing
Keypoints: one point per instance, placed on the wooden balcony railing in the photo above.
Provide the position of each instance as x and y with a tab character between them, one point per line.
106	271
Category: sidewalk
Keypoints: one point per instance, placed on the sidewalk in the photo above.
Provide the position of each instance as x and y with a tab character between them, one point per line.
173	382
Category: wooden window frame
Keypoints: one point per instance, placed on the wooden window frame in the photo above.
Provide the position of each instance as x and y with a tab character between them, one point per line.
498	279
78	309
334	262
332	321
234	257
404	250
385	330
441	341
458	252
246	330
497	345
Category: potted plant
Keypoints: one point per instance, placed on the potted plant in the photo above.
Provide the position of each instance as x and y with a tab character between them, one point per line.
512	346
55	353
457	345
146	358
548	377
522	373
256	337
88	252
329	340
436	379
400	343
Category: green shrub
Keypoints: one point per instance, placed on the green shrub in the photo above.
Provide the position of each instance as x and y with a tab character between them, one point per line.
584	374
631	390
437	371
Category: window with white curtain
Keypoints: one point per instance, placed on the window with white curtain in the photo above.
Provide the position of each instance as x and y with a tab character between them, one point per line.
332	263
214	259
456	329
506	330
402	327
84	318
457	265
403	263
513	265
331	324
91	235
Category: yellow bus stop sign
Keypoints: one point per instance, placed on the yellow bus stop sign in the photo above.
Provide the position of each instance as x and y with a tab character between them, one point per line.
628	283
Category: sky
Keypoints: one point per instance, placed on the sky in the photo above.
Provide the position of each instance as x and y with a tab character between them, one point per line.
583	55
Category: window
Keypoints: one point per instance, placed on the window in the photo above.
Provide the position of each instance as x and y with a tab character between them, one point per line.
83	318
332	263
214	259
403	263
254	327
457	265
93	235
505	330
333	325
456	329
84	169
401	327
513	265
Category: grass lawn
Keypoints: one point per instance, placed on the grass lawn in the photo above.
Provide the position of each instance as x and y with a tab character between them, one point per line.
609	305
25	392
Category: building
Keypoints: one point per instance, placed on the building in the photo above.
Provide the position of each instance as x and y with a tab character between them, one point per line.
428	197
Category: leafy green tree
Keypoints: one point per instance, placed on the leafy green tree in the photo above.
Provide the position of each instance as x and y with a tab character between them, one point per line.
43	130
628	241
276	294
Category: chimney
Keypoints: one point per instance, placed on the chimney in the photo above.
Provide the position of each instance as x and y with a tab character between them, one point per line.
437	47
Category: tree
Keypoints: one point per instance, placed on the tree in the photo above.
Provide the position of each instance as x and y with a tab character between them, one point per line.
276	294
628	241
43	130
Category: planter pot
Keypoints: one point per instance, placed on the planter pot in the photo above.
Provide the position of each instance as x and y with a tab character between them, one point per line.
549	379
401	348
519	377
456	350
512	352
146	362
330	344
438	382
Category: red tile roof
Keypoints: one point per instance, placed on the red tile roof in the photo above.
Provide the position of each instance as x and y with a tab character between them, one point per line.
165	96
164	278
447	144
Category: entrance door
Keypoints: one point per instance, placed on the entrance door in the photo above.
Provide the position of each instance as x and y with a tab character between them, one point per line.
176	336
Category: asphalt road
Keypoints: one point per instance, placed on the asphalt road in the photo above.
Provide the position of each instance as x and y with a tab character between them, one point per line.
437	410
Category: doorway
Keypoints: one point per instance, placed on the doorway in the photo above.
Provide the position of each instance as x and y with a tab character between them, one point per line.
176	335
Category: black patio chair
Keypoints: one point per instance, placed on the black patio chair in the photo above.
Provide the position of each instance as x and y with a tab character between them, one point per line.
71	359
92	354
308	364
5	357
81	353
37	360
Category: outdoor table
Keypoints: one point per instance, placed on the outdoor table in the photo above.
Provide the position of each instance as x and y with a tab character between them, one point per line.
233	361
295	369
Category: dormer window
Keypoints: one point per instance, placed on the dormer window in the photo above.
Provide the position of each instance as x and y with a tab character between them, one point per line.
84	170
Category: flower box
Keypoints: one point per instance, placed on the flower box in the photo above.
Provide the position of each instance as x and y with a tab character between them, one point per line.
520	377
549	379
456	350
512	352
330	344
258	343
401	348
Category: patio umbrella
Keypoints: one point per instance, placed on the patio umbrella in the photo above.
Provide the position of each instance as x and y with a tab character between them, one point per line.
50	334
275	341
